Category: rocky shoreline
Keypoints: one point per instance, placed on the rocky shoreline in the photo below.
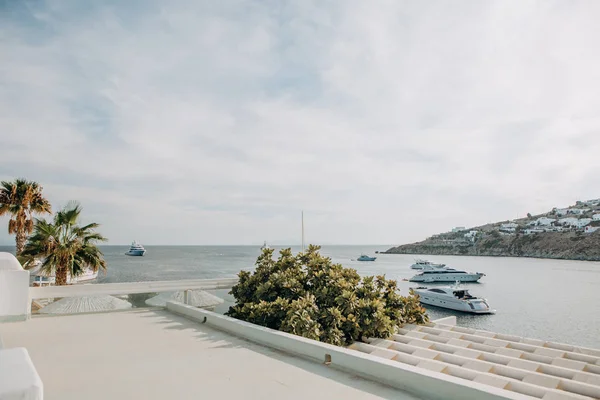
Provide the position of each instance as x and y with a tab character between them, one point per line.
550	245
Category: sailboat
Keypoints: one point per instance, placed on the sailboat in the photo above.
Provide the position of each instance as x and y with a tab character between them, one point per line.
264	246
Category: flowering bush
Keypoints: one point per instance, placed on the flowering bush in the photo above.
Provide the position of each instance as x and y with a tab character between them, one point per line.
307	295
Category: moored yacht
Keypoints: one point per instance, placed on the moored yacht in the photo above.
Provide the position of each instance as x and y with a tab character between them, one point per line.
422	264
364	257
446	275
136	249
453	298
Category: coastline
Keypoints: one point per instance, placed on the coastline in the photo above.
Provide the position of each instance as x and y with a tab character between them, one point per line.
574	246
541	257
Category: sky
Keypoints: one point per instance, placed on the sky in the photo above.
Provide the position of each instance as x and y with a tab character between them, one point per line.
217	122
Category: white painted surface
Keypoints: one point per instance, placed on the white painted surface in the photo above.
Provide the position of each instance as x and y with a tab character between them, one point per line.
425	383
85	304
157	355
451	320
14	289
530	366
19	379
130	287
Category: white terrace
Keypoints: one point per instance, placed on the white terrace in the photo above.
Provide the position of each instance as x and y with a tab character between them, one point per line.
184	352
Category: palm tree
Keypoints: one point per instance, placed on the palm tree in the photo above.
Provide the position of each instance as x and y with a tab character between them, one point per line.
21	199
66	248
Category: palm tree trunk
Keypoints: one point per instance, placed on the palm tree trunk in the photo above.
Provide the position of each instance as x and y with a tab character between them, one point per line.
61	275
20	239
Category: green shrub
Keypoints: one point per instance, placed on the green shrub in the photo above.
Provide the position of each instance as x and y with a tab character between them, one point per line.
307	295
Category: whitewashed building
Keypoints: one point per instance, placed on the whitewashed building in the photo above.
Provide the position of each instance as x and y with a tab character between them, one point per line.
471	235
509	227
578	211
533	231
569	221
596	217
561	211
583	222
544	221
591	229
458	229
593	202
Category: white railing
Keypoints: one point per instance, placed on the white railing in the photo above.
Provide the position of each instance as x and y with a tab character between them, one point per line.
130	288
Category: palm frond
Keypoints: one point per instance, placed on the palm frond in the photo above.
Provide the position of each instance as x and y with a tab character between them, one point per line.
69	215
12	226
66	247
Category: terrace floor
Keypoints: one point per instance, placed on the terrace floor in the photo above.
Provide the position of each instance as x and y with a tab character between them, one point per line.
154	354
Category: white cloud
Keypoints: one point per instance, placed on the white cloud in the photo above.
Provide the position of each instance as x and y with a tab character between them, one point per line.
201	122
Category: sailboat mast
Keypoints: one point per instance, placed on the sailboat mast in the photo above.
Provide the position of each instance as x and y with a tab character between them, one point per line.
303	230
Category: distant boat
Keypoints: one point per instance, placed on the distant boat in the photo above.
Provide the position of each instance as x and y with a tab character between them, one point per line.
364	257
136	249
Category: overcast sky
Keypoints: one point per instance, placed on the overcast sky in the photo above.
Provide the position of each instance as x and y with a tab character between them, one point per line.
217	122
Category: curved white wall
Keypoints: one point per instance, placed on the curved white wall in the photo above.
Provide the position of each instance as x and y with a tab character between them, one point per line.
14	289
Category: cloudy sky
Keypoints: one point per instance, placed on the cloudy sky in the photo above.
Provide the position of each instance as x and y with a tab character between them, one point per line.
217	122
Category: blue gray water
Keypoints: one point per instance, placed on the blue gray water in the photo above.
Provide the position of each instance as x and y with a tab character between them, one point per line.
548	299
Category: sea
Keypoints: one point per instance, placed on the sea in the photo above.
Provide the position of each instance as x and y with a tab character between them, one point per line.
556	300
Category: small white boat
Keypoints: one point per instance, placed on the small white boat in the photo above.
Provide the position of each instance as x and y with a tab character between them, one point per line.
453	298
446	275
264	246
422	264
136	249
364	257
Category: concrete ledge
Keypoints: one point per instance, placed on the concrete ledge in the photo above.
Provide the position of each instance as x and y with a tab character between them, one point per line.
451	321
422	382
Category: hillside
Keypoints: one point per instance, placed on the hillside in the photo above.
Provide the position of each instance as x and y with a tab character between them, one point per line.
568	233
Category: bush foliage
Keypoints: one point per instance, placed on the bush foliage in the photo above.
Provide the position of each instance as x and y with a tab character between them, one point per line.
307	295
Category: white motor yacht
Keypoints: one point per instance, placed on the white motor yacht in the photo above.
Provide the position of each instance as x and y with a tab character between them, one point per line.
446	275
422	264
136	249
453	298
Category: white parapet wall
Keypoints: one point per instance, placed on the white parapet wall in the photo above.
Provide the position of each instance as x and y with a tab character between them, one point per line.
14	289
422	382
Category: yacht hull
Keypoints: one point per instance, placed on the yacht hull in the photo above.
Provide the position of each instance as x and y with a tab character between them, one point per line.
135	253
474	307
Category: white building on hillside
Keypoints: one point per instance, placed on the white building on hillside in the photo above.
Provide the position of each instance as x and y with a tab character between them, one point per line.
509	225
544	221
569	221
578	211
591	229
593	202
596	217
533	231
458	229
471	235
561	211
583	222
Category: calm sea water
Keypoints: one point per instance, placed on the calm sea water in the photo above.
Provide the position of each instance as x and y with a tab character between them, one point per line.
547	299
